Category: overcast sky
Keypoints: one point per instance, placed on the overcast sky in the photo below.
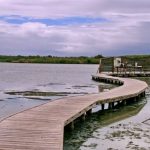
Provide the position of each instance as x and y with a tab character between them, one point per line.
74	27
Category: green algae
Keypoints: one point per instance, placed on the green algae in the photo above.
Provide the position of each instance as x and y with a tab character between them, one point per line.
39	93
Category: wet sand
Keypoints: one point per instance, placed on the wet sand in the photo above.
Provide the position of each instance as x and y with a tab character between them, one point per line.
120	137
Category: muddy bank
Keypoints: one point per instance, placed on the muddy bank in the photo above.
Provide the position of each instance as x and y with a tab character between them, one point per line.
39	93
121	136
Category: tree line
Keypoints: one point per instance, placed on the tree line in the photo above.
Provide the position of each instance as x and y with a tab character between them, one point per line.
51	59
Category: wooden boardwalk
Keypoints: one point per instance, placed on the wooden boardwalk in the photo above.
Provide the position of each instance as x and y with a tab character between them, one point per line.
42	127
130	74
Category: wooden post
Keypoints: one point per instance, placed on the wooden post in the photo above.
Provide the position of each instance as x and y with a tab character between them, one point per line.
110	105
124	102
83	116
143	94
100	66
117	70
89	112
113	105
138	97
72	125
112	64
135	99
118	103
103	106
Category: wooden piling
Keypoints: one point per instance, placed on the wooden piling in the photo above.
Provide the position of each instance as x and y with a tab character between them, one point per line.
83	117
89	112
102	106
72	125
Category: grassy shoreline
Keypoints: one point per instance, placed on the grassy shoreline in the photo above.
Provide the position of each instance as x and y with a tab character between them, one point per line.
141	59
50	59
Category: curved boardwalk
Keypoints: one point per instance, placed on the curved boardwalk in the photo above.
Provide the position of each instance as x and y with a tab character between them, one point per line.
42	127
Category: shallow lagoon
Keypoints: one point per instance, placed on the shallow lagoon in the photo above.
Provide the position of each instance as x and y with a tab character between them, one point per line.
23	86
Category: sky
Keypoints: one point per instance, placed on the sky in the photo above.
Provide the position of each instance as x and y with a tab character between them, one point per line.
74	27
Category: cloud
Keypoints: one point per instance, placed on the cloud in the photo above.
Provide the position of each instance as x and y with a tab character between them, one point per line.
73	28
67	8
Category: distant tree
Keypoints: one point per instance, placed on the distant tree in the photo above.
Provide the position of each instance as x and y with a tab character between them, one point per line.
50	56
82	57
98	56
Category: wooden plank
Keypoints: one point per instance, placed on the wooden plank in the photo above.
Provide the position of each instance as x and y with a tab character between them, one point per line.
42	127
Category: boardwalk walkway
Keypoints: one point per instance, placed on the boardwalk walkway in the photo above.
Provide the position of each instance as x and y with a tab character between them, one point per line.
42	127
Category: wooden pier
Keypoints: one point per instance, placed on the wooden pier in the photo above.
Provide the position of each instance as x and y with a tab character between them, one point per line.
123	67
42	127
130	74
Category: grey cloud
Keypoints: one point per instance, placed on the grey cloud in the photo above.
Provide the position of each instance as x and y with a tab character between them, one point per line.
128	29
57	8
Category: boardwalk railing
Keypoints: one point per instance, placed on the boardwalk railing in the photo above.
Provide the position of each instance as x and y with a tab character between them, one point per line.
42	127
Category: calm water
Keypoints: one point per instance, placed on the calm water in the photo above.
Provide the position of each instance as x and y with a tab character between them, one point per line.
69	80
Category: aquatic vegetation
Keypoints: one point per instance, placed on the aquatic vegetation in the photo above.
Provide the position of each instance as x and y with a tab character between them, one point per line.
74	139
39	93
